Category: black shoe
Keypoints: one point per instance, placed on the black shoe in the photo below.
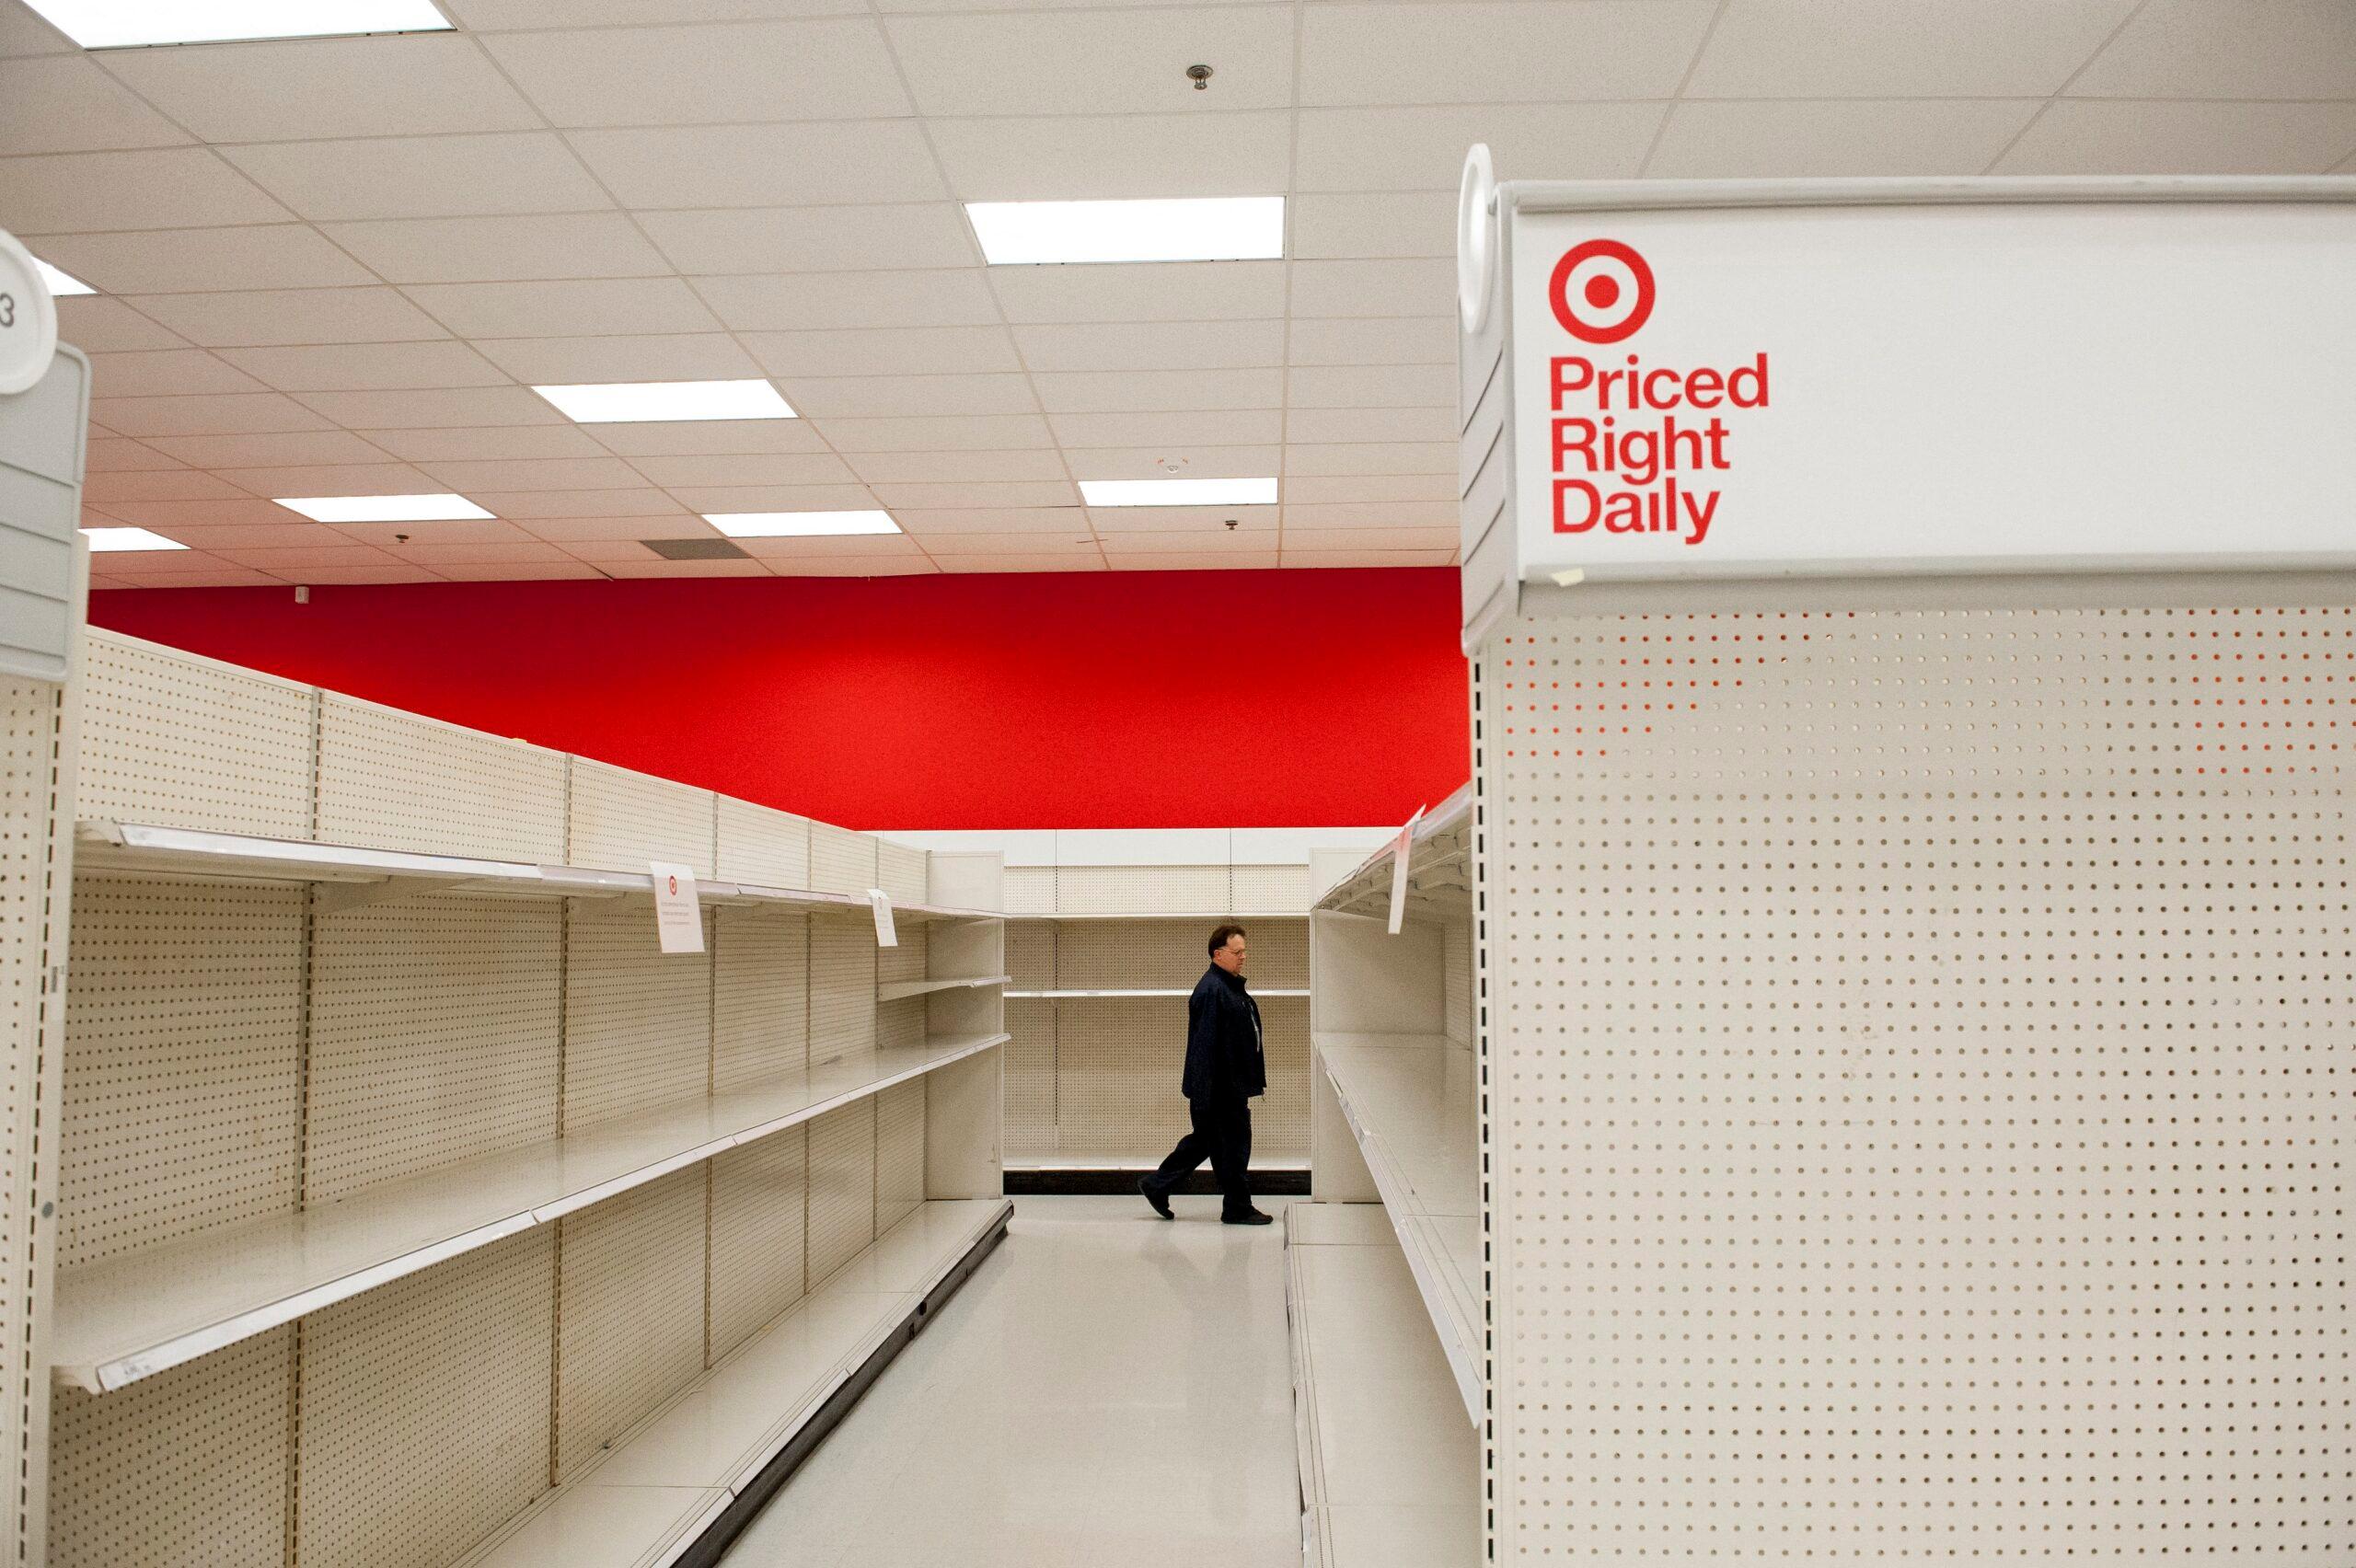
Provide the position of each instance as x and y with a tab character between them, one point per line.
1161	1203
1249	1216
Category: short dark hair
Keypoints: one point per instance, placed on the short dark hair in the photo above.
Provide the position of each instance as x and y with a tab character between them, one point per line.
1220	937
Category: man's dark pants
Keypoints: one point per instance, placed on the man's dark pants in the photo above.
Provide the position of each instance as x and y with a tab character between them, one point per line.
1223	1134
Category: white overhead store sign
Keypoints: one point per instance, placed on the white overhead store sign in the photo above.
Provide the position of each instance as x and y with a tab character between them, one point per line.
1967	375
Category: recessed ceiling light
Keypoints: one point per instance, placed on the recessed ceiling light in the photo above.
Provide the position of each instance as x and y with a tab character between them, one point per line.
1178	493
129	539
799	525
1211	228
61	284
124	24
635	402
385	508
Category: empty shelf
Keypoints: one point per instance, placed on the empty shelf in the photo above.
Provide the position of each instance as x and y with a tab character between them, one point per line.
126	1319
1151	991
1388	1476
1409	1102
900	990
665	1482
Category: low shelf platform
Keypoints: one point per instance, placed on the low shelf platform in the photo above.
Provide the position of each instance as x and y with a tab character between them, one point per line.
710	1457
900	990
126	1318
1390	1478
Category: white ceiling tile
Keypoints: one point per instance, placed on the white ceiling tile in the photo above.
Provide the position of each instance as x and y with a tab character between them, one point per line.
262	318
953	433
1486	52
1394	340
1314	559
814	239
747	468
235	538
209	577
311	89
632	548
496	16
270	256
685	356
1372	288
764	166
832	300
1371	458
1196	561
422	176
118	454
872	547
1087	560
959	497
854	566
952	543
487	442
1098	62
466	250
986	522
1356	225
1372	387
1321	516
379	477
1175	291
1111	520
167	484
774	498
359	576
1085	158
706	437
1422	149
2107	136
562	309
2254	49
533	570
1246	427
434	410
1137	391
1348	425
160	372
903	350
1240	539
1155	345
96	324
233	413
367	367
467	531
297	558
505	474
567	530
176	518
22	33
653	567
281	449
524	505
960	468
500	552
873	397
1312	489
1177	462
1826	137
164	189
65	104
1901	48
708	75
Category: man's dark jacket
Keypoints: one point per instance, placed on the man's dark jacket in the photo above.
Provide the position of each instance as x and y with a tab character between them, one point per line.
1224	1057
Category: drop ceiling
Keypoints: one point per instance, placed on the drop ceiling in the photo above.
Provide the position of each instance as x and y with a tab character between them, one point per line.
335	266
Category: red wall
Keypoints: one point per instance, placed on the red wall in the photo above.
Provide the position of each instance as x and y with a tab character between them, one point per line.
1147	700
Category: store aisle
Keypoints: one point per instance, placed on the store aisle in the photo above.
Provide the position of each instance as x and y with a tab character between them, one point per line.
1109	1389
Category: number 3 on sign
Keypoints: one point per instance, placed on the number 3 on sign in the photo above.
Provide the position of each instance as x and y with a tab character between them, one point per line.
28	319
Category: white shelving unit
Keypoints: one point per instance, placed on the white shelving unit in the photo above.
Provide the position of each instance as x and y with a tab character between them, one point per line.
1262	992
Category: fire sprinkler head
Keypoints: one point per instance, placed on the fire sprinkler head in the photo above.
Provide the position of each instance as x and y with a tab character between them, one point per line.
1200	75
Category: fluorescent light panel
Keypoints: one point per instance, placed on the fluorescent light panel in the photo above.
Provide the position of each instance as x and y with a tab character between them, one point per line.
129	539
636	402
61	284
799	525
1178	493
385	508
125	24
1211	228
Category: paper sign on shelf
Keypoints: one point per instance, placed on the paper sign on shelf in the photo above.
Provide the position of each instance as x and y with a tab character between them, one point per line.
1401	848
678	918
885	935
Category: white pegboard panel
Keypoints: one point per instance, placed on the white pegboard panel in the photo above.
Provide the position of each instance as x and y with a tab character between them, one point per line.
188	1467
908	960
760	995
842	1187
1029	890
1918	1063
29	713
436	1036
395	780
183	1090
1264	890
842	984
902	1022
1280	1117
1141	890
901	872
621	820
757	845
1118	1064
425	1409
1030	1094
1456	956
181	741
841	861
759	1214
899	1153
629	1312
1116	955
637	1021
1031	954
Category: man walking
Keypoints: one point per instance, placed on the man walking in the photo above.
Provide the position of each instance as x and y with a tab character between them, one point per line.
1225	1069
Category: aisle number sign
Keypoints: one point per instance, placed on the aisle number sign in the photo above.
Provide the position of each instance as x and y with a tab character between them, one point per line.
679	916
28	319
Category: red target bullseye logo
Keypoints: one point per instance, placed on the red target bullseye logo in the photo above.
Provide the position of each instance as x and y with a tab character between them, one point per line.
1601	291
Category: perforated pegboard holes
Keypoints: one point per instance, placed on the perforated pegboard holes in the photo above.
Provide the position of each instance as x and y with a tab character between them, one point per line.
841	861
621	820
759	1214
174	739
756	844
842	1187
395	780
761	1019
28	728
1117	890
638	1020
899	1153
631	1311
842	984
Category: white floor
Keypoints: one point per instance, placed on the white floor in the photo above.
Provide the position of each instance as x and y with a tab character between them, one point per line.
1109	1390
